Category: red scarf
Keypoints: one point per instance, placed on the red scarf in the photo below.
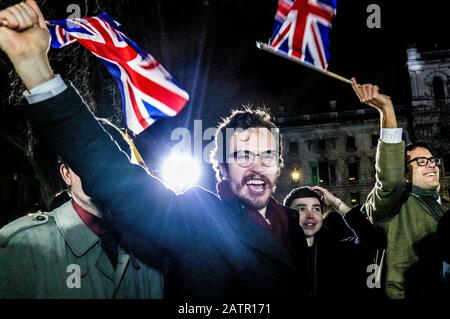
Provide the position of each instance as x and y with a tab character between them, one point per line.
93	222
279	225
108	239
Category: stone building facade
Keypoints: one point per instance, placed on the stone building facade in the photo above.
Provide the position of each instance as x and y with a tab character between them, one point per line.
337	149
429	73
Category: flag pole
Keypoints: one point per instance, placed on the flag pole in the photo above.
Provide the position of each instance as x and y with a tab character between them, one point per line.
267	48
134	150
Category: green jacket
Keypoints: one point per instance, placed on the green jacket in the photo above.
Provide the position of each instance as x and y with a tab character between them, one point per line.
56	255
412	266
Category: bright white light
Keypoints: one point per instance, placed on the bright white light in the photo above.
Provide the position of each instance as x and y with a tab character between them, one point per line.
179	171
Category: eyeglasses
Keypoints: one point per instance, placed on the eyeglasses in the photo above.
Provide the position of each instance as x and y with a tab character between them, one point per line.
247	158
423	161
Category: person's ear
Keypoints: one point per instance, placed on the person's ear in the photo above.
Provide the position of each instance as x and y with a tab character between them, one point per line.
223	171
65	174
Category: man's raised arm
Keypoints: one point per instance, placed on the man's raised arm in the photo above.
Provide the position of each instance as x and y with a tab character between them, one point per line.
139	203
386	196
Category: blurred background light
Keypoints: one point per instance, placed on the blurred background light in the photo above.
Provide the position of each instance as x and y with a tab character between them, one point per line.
180	171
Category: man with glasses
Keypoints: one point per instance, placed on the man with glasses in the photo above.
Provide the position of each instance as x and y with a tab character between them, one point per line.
242	245
247	160
407	206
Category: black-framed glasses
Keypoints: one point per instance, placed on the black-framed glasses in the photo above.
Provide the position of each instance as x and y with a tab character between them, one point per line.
423	161
246	158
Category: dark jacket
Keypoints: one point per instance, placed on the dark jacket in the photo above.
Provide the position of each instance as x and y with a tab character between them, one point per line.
206	248
443	238
343	249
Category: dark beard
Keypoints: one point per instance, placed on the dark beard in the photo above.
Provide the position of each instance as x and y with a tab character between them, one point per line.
251	205
247	203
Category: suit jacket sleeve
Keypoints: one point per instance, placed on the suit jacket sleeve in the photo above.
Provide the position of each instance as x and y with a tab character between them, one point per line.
139	204
387	195
369	236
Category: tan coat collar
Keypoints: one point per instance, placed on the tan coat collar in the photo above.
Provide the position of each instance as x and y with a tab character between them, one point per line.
75	232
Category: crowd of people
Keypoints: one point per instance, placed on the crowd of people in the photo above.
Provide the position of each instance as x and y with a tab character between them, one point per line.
124	234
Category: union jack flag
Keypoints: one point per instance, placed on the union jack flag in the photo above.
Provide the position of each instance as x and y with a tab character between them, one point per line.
148	90
301	30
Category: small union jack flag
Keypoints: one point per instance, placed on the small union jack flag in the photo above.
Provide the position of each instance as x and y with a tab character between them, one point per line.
148	90
301	30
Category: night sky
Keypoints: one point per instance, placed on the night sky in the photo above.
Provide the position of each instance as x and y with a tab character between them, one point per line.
209	48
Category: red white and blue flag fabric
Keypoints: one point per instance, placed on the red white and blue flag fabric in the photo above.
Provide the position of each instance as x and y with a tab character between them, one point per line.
148	90
301	30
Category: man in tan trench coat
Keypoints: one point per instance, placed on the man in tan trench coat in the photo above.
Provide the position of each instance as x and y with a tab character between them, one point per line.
67	253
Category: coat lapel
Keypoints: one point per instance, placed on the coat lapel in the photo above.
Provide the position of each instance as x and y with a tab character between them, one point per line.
104	265
255	236
76	234
80	238
122	265
429	210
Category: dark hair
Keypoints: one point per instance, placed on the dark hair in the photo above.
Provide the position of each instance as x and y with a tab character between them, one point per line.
414	145
301	192
245	118
116	134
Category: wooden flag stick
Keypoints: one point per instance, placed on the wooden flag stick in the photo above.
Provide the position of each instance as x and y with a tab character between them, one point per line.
267	48
134	150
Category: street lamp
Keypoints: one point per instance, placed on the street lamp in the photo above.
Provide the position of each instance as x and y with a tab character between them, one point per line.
295	175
